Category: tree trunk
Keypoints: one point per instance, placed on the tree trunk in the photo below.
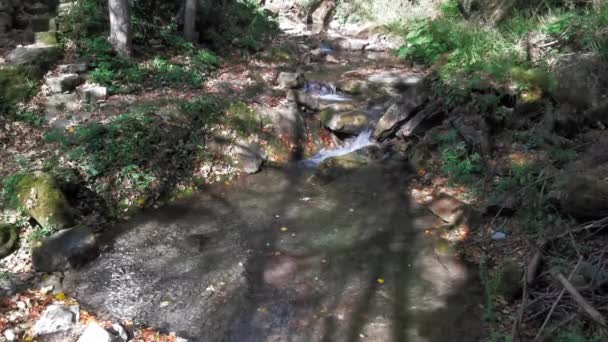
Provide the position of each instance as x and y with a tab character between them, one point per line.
120	32
190	21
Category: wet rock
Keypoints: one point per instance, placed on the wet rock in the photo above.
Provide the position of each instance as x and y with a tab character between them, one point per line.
56	318
448	208
93	93
351	122
40	196
64	249
332	168
304	99
95	333
249	157
63	83
74	68
399	112
583	197
354	86
290	80
34	55
8	239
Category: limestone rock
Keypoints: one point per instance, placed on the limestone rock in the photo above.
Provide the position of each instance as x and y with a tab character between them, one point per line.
95	333
41	197
396	80
8	239
349	44
304	99
249	157
290	80
93	93
74	68
56	318
60	102
63	83
334	167
34	54
64	249
351	122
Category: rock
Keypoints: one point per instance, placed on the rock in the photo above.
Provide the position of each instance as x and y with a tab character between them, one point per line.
10	335
396	80
351	122
509	280
120	332
95	333
40	196
581	81
334	167
7	287
93	93
56	318
322	13
46	38
64	249
354	86
61	102
290	80
74	68
248	156
304	99
384	42
8	239
63	83
34	55
390	121
450	209
583	197
286	121
499	236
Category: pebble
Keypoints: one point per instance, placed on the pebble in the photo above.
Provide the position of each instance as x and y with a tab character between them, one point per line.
10	335
498	236
164	304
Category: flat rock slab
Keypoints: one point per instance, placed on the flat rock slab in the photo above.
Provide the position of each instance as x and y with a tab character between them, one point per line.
275	258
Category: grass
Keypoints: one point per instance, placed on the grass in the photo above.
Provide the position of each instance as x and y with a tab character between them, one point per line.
457	161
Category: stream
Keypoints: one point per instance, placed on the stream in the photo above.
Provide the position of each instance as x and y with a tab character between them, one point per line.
275	257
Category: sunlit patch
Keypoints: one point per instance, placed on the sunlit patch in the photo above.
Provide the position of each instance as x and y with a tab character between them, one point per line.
520	159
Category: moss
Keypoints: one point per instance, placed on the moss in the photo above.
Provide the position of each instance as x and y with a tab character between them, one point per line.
326	115
48	38
40	196
17	84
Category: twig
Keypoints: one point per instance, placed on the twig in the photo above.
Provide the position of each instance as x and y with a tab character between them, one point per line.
578	298
586	226
533	266
524	298
561	294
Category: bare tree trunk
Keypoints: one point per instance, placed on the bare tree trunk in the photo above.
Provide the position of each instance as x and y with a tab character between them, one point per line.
120	32
190	21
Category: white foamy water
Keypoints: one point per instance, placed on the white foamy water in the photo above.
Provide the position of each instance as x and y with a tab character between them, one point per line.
364	139
334	98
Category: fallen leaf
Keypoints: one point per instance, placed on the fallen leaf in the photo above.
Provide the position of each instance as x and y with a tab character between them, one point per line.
380	280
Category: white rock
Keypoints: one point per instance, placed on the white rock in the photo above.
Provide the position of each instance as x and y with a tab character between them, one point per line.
92	93
498	236
95	333
56	318
10	335
63	83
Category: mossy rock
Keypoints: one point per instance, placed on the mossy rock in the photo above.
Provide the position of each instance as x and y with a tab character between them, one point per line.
350	122
17	84
48	38
40	196
8	239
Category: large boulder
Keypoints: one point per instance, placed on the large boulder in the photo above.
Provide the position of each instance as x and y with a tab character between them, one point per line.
399	112
248	156
42	55
290	80
40	196
63	250
582	80
350	122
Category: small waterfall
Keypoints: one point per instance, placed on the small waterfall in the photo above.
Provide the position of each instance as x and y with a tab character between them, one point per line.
325	91
364	139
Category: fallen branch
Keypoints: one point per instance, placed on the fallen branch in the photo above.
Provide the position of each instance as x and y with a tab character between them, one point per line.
561	294
515	334
602	223
578	298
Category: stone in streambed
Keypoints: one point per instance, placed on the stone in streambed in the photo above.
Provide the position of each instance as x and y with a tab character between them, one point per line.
56	318
332	168
63	83
350	122
290	80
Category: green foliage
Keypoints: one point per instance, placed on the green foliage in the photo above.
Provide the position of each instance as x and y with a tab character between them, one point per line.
576	337
17	84
30	118
202	111
457	161
128	140
84	18
40	233
10	189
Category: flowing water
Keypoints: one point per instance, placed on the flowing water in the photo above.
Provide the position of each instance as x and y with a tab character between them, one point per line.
274	257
